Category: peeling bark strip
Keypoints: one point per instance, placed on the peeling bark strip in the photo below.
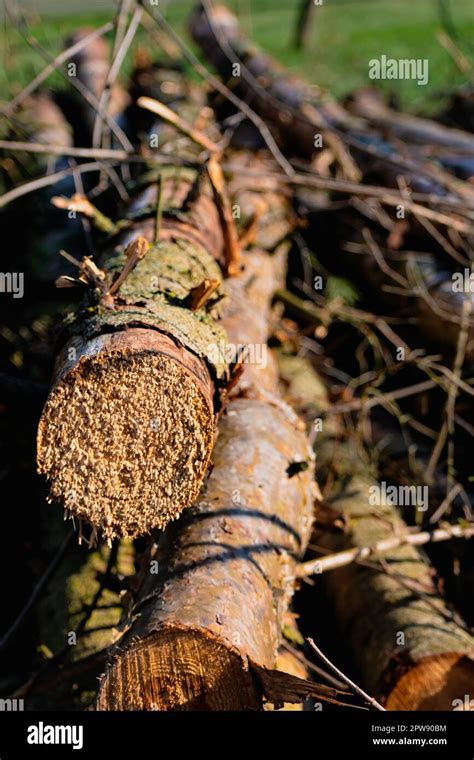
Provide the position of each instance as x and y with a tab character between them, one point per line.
127	432
410	652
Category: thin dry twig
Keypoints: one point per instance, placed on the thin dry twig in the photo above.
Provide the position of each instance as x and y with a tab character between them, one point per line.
348	556
369	700
88	96
50	179
38	590
113	73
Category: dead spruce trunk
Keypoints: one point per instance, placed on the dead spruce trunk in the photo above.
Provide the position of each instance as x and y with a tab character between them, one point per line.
203	633
127	432
410	651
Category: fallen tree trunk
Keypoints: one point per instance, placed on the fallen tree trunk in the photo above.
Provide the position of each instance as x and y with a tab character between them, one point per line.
411	651
274	94
204	633
304	119
212	617
370	105
127	432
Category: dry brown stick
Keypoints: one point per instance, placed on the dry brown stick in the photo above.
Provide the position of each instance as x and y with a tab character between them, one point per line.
173	118
99	153
323	183
415	538
216	176
384	195
463	64
47	181
447	428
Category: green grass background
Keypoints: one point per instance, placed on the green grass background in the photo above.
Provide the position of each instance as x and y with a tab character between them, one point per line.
345	36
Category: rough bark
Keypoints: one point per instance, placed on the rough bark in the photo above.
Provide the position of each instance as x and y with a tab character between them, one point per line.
204	632
128	428
410	651
217	610
266	86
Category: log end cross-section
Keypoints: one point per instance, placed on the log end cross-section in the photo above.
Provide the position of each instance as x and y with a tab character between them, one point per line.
126	435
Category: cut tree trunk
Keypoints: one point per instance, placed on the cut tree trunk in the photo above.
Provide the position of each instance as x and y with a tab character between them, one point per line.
127	432
274	94
410	650
203	634
370	105
299	115
215	609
